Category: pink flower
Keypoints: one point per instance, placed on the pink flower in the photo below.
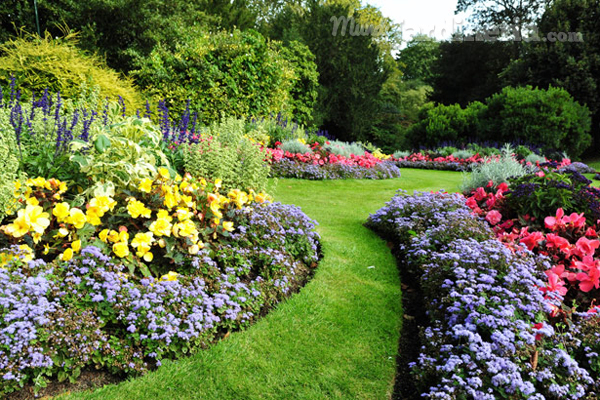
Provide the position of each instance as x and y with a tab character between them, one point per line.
555	284
586	247
551	222
493	217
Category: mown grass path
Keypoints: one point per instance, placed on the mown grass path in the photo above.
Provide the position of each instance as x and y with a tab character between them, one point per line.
337	338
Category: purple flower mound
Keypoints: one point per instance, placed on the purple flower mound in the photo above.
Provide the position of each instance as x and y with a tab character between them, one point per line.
88	312
293	169
487	334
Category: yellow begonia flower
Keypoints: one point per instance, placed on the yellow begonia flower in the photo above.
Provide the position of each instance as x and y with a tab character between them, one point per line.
93	215
121	249
37	237
61	211
20	226
76	246
67	255
162	243
142	242
38	218
184	214
214	208
164	214
218	182
136	208
164	173
106	203
17	185
171	199
194	249
228	226
46	249
145	185
161	227
113	236
103	235
123	236
171	276
76	218
39	182
62	232
32	201
185	229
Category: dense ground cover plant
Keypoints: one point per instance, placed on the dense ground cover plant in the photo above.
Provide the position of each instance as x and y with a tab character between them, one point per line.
490	332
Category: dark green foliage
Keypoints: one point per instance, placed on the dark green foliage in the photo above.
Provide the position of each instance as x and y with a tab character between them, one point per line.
236	74
468	71
550	118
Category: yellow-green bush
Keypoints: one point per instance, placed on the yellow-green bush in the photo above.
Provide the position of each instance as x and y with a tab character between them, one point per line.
56	64
238	74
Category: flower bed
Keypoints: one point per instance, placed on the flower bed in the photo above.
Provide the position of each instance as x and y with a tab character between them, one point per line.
319	164
492	330
286	168
148	275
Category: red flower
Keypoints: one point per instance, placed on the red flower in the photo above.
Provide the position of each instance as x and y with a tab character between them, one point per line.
480	194
537	327
532	240
557	242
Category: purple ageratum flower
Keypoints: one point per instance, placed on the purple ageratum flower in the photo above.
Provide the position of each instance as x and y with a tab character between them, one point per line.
481	300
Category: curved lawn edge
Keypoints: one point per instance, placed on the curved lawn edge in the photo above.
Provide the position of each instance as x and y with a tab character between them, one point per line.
337	338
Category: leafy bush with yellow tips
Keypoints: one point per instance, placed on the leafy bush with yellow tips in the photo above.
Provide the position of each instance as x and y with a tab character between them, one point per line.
40	63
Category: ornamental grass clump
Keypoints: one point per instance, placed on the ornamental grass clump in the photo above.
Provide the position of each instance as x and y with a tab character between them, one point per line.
495	170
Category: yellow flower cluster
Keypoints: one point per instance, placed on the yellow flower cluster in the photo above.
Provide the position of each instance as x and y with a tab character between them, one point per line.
166	215
379	155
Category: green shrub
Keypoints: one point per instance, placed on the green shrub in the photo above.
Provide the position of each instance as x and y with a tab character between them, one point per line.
463	154
550	117
401	154
57	65
294	146
344	148
445	123
497	171
225	152
237	74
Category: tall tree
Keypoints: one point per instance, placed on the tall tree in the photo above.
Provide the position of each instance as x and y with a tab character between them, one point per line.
512	16
417	58
573	64
467	71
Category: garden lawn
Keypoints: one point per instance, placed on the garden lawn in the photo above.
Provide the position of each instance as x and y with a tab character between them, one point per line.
337	338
